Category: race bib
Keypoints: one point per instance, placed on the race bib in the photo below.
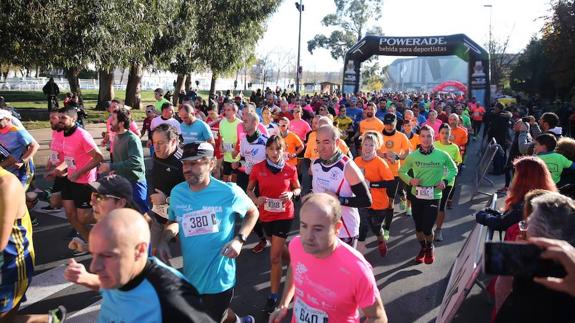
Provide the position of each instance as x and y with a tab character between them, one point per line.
304	313
199	222
424	192
70	162
54	159
161	210
215	133
274	205
228	147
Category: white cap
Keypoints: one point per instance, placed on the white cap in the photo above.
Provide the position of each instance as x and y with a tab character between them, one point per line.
5	114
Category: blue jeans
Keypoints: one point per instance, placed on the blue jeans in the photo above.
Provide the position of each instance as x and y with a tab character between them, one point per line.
140	195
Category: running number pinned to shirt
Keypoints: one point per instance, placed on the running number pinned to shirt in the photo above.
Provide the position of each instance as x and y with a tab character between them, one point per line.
54	157
228	147
274	205
70	162
199	222
424	192
161	210
307	314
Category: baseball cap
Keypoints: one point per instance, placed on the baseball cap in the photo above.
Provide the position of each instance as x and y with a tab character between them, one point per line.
197	150
113	185
389	118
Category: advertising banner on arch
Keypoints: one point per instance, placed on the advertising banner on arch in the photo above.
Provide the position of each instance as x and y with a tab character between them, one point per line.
459	45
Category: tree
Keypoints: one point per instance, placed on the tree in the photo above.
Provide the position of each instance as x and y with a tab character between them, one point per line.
501	62
350	20
228	37
530	74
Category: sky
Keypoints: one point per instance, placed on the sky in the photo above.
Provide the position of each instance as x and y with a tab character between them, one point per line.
521	19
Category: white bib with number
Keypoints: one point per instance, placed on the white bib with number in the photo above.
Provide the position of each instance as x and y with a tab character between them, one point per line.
424	192
215	134
274	205
228	147
161	210
199	222
70	162
304	313
54	157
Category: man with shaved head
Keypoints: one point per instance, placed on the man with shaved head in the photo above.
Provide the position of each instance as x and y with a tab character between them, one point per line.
135	287
320	297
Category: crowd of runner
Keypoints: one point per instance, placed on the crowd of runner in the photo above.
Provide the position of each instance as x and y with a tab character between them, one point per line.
230	166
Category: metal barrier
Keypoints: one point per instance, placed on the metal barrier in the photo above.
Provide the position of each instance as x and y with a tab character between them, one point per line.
465	270
481	170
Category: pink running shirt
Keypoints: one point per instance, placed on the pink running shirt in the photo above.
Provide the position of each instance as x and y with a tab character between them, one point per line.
56	153
300	128
333	288
76	148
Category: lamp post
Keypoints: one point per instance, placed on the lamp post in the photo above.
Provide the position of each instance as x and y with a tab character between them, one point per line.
489	45
300	8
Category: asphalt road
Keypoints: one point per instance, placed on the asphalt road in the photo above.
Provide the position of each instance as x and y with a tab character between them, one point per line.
410	292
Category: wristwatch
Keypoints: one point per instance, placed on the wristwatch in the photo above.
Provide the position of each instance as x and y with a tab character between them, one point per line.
241	238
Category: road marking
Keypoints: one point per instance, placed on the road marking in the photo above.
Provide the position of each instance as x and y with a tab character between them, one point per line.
46	284
88	314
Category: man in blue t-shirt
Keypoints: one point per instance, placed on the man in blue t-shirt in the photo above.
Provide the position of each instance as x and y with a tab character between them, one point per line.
355	112
17	147
203	212
192	128
134	287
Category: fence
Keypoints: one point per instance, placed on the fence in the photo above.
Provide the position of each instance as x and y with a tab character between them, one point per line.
485	161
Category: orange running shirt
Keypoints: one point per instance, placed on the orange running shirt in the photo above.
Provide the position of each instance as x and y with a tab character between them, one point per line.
373	124
311	147
376	170
459	137
398	144
292	144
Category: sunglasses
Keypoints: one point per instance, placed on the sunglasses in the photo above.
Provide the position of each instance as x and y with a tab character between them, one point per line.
101	197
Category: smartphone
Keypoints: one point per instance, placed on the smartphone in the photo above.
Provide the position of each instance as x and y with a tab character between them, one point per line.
520	260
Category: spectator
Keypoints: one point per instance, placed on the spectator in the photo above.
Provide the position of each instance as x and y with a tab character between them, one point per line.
566	147
549	123
520	146
545	149
51	90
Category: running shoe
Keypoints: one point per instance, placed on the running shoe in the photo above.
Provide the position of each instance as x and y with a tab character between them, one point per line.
385	234
382	247
57	315
429	257
402	205
421	255
78	245
260	246
437	235
247	319
271	304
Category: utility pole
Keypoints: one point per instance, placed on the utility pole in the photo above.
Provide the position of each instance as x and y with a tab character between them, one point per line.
300	8
490	45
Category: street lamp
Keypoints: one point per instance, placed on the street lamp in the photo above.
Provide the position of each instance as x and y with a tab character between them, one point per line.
299	6
489	45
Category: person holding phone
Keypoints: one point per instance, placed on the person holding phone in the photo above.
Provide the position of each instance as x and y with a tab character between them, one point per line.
553	217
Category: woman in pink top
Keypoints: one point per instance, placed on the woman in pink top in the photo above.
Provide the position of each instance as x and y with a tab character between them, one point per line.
433	122
299	126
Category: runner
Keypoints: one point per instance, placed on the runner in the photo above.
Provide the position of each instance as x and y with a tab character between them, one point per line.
81	157
128	158
458	133
166	116
344	124
320	263
336	173
56	158
229	135
429	180
160	100
134	287
297	125
19	148
277	184
267	121
395	148
192	128
252	151
293	144
17	253
203	213
370	123
446	145
378	177
477	113
213	120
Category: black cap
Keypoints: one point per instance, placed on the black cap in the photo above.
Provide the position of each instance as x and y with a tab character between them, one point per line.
389	118
113	185
197	150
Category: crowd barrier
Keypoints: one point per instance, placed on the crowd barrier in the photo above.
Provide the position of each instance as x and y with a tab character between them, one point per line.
465	270
486	159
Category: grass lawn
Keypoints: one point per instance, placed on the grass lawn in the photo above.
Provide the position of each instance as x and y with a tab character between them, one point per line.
37	100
